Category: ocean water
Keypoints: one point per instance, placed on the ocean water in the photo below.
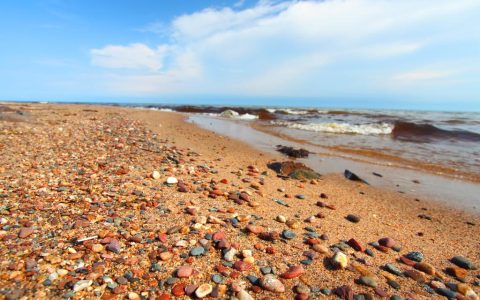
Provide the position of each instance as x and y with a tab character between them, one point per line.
442	142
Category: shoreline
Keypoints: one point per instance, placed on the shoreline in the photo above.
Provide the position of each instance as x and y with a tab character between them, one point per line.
396	178
122	146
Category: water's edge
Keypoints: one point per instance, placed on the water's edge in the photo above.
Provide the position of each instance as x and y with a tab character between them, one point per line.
452	192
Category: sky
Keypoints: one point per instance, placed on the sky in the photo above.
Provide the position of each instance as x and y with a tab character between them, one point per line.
333	53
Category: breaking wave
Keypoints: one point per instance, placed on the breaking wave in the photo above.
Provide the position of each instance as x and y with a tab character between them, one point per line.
364	129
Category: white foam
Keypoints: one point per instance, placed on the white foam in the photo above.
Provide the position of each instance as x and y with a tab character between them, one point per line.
363	129
289	111
231	114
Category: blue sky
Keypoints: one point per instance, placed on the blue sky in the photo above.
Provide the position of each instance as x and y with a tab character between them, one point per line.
357	53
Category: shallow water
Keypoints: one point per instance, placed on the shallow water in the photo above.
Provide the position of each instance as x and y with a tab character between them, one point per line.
456	193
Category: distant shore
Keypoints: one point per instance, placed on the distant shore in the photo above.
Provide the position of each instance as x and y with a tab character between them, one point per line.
91	168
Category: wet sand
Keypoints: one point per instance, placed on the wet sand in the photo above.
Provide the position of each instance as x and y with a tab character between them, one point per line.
89	168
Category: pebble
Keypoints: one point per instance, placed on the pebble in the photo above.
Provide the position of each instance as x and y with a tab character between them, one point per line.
463	262
184	271
393	269
244	295
356	245
340	260
81	285
387	242
447	293
242	266
255	229
292	272
25	232
416	275
458	272
415	256
203	290
178	290
114	246
425	268
197	251
272	284
394	284
353	218
172	180
281	219
302	289
266	270
368	281
155	175
288	235
230	254
217	278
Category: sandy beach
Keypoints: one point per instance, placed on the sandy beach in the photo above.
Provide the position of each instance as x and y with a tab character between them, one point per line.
105	202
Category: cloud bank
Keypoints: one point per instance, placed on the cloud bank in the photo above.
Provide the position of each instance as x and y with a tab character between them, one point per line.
295	48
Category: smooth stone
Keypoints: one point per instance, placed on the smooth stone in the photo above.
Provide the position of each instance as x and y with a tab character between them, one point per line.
281	219
396	297
155	175
230	254
203	290
463	262
368	281
81	285
415	256
196	251
446	293
25	232
416	275
184	271
393	269
266	270
287	234
387	242
172	180
340	260
320	249
114	246
242	266
394	284
353	218
355	244
425	268
293	272
253	279
244	295
272	284
217	278
302	289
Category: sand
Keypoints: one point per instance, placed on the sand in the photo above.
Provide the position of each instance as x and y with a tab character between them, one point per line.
42	153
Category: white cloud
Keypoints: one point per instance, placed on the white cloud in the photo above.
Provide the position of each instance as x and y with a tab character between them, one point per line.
272	47
421	75
133	56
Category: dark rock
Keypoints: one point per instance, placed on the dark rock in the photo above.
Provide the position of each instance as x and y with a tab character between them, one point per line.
345	292
353	218
293	170
352	176
463	262
292	152
415	256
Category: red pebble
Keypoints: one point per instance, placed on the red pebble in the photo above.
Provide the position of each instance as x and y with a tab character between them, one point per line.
293	272
356	245
242	266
